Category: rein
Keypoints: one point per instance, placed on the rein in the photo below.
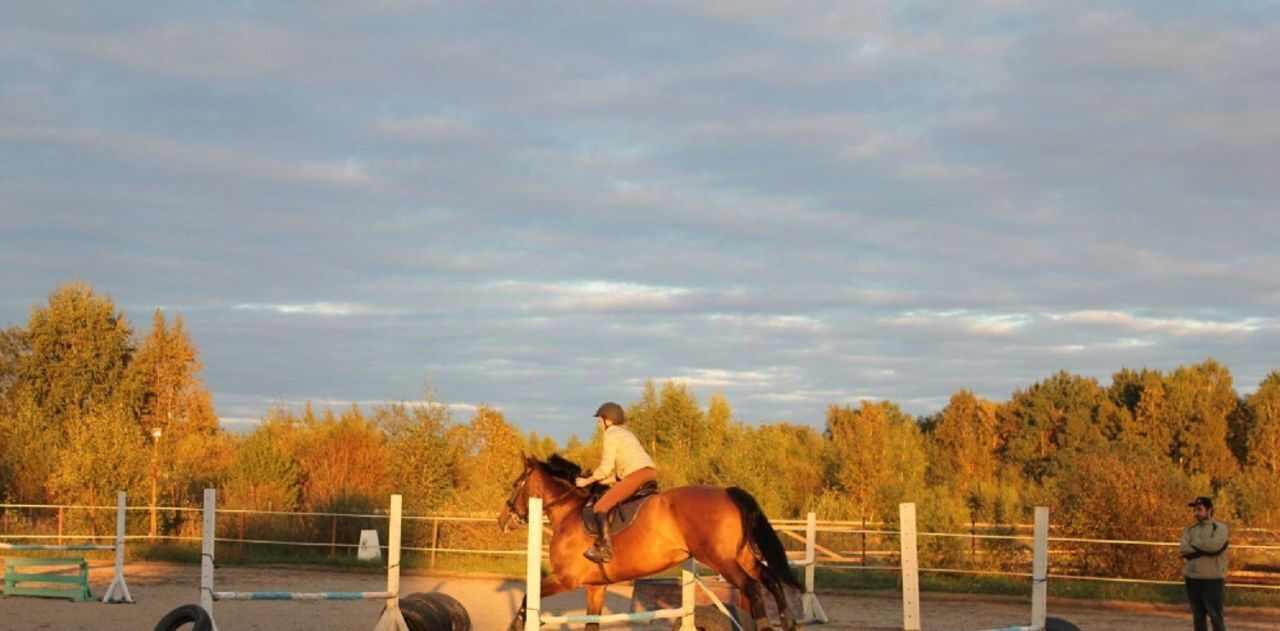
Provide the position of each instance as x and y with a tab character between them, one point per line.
523	516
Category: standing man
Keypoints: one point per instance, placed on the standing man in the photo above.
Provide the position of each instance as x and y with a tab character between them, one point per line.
1204	546
622	456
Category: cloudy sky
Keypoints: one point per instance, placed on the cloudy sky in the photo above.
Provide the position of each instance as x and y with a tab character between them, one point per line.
539	206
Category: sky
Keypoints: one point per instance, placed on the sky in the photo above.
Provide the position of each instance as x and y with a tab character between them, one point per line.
541	206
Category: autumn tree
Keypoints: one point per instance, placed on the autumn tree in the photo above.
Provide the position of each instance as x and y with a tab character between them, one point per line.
876	456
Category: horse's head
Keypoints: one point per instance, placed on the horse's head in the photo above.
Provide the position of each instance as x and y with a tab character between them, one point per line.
552	478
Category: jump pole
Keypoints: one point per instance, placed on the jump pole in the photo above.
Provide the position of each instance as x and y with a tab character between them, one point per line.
118	591
911	576
392	618
533	618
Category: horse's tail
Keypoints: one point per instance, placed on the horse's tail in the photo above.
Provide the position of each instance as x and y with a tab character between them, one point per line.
762	537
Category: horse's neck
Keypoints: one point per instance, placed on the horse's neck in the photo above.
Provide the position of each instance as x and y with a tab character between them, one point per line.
562	502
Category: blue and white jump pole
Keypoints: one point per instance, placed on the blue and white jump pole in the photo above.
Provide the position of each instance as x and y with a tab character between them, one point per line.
392	618
118	591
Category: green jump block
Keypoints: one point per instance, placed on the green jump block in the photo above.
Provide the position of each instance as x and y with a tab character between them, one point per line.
49	574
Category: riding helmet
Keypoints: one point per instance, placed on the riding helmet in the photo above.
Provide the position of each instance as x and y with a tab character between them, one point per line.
612	412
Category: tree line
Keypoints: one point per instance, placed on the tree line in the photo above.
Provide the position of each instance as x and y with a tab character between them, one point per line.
89	405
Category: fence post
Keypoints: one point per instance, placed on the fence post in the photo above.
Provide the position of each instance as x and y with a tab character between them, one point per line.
910	567
973	538
333	535
864	541
1040	568
59	525
435	540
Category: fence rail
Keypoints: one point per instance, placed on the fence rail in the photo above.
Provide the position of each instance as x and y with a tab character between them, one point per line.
983	550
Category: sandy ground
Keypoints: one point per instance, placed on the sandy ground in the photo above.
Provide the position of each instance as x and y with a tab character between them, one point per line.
158	588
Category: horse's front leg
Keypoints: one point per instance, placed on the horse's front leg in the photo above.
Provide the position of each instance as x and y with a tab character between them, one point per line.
551	585
595	604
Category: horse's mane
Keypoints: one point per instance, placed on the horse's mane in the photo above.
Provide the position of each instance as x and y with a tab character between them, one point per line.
562	468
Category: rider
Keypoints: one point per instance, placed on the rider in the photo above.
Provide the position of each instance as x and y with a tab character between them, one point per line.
622	451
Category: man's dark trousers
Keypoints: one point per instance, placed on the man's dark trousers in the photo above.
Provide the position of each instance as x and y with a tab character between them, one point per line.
1206	596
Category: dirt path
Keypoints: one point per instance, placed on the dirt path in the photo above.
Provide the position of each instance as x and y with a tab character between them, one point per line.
491	603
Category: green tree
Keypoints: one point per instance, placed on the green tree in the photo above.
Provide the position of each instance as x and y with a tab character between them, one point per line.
263	475
422	459
79	347
1263	431
489	462
104	454
69	361
1198	403
1052	420
14	345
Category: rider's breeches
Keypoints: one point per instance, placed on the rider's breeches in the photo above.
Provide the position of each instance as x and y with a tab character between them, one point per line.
624	488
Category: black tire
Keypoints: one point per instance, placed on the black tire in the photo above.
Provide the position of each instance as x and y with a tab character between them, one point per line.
708	618
450	605
420	615
195	615
1058	624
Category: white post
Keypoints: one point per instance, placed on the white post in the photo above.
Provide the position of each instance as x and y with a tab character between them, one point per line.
118	591
533	568
1040	569
688	599
811	608
392	617
206	552
910	568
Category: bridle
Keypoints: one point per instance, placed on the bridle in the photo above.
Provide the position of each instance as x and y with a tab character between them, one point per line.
522	516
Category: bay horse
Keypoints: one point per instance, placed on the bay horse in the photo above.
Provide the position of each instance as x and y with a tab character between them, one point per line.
722	528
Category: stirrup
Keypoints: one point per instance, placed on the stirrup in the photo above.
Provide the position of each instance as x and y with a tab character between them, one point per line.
598	553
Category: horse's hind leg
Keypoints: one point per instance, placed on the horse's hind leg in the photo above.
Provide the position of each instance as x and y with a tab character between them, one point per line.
780	597
749	587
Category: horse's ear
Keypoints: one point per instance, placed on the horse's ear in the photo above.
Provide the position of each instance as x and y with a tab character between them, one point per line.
528	460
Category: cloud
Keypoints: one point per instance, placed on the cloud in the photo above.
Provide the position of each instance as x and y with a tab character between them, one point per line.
795	204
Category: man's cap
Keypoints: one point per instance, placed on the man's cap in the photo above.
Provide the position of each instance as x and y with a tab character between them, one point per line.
1202	501
611	411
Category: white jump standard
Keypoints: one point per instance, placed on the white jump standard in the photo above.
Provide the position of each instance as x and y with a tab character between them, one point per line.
392	618
118	591
1039	573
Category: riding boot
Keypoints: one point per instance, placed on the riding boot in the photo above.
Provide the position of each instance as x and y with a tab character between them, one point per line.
602	550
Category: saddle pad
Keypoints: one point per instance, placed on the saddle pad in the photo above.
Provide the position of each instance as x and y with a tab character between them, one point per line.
620	516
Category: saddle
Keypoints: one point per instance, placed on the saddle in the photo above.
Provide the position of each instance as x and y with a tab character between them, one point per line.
623	514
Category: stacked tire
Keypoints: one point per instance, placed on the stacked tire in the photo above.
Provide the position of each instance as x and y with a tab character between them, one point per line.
180	618
434	611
